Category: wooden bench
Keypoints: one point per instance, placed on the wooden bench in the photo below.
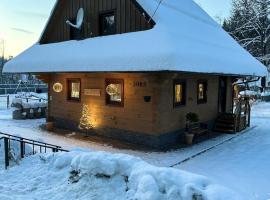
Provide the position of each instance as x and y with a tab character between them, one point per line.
199	130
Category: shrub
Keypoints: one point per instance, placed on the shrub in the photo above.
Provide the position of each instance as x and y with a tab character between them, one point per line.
192	117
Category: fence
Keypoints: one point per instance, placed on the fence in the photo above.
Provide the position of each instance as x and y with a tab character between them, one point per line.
12	88
36	147
4	101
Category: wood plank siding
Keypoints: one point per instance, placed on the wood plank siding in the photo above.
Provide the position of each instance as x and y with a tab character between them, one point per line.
130	17
156	117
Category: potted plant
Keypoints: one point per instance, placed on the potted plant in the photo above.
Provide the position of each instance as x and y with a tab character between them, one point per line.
191	118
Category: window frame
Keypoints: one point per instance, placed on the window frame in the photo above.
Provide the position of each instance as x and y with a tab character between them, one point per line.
108	101
179	82
69	82
204	100
101	24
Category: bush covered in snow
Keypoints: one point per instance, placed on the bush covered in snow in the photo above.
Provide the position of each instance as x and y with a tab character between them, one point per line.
98	175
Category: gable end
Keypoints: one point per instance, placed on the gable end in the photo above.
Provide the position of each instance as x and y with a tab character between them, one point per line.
130	17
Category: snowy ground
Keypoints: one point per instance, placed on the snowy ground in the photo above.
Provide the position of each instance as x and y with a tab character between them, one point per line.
241	164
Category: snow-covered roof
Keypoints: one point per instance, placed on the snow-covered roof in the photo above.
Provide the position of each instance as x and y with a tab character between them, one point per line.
185	38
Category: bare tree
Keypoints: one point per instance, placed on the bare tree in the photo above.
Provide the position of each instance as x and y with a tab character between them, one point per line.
249	24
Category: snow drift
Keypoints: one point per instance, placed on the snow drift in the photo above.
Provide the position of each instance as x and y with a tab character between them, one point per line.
98	175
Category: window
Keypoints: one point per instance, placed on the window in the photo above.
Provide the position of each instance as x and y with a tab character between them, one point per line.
107	23
74	89
202	92
114	92
179	93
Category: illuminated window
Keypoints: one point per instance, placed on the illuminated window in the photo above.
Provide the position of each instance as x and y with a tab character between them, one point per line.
114	92
74	89
202	92
179	93
107	23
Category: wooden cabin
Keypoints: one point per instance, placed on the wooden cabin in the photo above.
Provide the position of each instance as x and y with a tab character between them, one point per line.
132	69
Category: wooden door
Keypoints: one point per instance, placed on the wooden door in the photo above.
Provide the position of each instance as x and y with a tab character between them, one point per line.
222	99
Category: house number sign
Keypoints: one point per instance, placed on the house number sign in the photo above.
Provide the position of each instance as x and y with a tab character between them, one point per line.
139	84
57	87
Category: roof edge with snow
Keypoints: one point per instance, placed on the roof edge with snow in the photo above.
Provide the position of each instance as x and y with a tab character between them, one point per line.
184	39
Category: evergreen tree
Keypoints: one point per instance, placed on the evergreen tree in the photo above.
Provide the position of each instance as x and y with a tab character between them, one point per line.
85	120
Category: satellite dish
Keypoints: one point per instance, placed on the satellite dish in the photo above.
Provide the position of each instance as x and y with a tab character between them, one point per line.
79	20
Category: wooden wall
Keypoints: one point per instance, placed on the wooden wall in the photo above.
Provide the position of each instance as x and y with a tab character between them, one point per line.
169	118
154	118
136	115
130	17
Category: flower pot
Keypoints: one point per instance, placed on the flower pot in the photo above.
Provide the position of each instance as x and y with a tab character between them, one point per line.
189	138
49	126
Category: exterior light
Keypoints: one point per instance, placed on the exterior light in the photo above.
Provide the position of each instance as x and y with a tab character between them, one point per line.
57	87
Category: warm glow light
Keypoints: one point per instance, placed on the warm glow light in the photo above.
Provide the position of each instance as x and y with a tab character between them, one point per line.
57	87
178	93
201	91
75	90
86	119
114	91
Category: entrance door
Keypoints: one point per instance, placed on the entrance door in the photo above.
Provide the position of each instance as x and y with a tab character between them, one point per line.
222	94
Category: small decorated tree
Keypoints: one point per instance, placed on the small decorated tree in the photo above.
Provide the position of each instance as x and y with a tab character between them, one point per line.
85	120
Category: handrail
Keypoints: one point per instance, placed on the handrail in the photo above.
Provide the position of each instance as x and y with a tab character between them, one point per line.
36	147
243	101
26	139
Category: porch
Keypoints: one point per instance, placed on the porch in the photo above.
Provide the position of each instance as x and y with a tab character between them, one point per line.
237	120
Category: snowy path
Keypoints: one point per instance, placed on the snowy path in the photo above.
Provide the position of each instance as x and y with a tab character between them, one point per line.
241	164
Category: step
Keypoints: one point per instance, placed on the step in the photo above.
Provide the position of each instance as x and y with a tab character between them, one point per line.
226	117
225	121
223	125
221	130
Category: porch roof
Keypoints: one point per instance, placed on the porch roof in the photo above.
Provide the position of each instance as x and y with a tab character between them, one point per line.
184	39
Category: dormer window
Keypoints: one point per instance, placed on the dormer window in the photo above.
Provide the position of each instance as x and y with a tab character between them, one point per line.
107	23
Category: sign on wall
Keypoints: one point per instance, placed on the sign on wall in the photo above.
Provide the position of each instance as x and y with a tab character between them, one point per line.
92	92
139	84
57	87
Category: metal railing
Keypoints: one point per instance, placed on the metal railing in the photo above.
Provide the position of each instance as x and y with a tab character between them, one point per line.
4	101
11	88
36	147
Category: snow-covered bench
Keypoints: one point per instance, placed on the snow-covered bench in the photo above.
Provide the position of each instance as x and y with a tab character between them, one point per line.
28	110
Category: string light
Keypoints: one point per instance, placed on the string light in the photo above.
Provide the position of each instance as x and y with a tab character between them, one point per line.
85	120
